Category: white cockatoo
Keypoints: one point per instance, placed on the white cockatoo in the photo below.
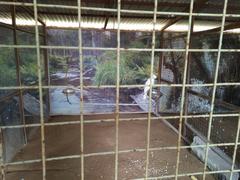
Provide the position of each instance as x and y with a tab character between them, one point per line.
147	85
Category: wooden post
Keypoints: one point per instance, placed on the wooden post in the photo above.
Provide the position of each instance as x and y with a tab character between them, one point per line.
188	80
17	59
46	68
160	64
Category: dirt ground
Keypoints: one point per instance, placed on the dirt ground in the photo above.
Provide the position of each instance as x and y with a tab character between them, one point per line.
100	137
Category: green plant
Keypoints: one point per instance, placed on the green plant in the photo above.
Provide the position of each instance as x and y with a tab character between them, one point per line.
106	73
134	67
28	67
7	67
57	63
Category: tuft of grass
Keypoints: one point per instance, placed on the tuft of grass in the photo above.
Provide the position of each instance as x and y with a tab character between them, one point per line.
106	74
134	67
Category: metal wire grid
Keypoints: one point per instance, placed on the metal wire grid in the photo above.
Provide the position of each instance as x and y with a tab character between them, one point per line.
117	120
150	90
214	88
183	89
40	93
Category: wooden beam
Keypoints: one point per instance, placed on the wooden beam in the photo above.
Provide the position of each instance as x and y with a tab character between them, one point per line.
18	75
106	22
189	58
108	5
159	71
19	29
197	6
218	29
46	68
230	26
31	13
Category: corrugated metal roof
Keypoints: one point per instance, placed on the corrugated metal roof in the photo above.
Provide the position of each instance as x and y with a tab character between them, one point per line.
134	24
64	17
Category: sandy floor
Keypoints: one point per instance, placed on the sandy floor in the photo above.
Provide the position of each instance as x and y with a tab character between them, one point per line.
65	141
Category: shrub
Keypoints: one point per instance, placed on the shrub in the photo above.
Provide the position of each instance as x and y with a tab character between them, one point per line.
134	67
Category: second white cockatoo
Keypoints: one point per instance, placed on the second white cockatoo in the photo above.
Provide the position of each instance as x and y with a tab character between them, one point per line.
147	85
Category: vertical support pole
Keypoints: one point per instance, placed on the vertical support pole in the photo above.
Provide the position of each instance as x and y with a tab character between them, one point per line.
188	80
42	121
81	118
235	148
183	90
2	154
117	87
151	87
214	88
46	67
160	64
17	59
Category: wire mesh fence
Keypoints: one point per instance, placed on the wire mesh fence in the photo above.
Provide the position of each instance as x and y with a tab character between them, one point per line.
217	123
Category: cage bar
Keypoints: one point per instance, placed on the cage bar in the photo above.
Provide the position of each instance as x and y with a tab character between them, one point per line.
177	121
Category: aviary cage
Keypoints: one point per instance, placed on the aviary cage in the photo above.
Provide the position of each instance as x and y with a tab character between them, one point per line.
72	84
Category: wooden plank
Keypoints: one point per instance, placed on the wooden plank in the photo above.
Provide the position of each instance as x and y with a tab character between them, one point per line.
18	75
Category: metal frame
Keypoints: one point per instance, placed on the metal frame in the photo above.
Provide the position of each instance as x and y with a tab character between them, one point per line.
151	87
18	75
81	89
117	88
214	88
42	119
180	126
183	113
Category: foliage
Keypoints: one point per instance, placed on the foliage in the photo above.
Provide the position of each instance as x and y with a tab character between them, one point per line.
89	61
57	63
28	60
134	67
7	68
106	72
28	66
